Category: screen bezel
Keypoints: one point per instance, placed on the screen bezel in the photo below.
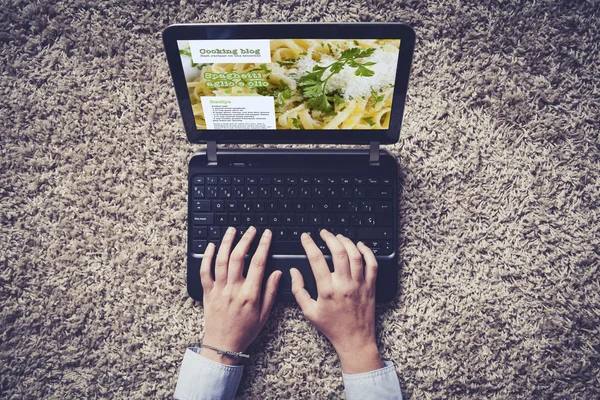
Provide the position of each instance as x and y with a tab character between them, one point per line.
403	32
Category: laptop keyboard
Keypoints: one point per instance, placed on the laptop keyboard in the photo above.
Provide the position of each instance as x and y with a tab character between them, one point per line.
360	208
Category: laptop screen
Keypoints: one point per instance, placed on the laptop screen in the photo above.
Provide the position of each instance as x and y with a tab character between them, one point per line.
290	84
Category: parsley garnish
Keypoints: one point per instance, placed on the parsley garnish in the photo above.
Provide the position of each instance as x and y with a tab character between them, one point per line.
286	62
296	123
376	98
313	85
356	42
369	120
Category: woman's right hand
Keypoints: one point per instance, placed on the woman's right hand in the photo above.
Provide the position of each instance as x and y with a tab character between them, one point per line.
345	309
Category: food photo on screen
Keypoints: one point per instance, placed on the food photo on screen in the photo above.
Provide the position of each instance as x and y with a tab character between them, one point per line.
288	84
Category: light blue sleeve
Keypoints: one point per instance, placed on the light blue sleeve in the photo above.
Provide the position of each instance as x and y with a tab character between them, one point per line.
203	379
381	384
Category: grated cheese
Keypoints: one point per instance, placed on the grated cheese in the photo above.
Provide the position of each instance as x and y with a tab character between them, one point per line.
350	85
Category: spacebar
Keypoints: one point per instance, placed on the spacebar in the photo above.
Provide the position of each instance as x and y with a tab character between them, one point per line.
278	247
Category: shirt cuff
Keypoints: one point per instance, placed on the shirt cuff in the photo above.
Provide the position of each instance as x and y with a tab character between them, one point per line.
201	378
379	384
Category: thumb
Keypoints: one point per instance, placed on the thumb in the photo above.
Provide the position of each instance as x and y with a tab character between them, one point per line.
302	296
269	296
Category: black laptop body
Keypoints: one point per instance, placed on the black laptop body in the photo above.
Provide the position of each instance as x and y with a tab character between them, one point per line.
312	85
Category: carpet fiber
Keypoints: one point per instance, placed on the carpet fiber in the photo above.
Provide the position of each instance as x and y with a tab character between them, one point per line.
499	231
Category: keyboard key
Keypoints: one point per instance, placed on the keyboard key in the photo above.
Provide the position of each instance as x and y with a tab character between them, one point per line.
218	205
221	219
332	181
211	180
350	233
374	233
287	219
318	181
342	219
386	247
345	181
373	181
358	192
245	206
318	192
225	180
264	192
301	219
238	192
198	180
203	219
356	220
199	232
305	193
224	192
259	205
280	233
231	205
328	219
251	192
248	219
294	233
370	219
238	180
251	180
379	193
278	180
278	192
274	219
199	246
264	180
352	206
234	219
291	181
214	232
298	206
291	192
212	192
199	192
386	181
366	206
261	219
285	206
314	219
305	180
202	205
359	181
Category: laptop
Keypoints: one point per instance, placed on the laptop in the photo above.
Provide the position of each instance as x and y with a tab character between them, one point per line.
306	84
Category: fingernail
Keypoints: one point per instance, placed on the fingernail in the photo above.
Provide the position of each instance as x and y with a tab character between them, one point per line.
267	233
304	235
230	230
360	243
252	228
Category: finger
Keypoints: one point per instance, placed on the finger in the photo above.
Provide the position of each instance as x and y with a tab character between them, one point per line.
205	275
223	256
371	264
316	259
303	298
357	269
259	261
341	265
270	294
236	260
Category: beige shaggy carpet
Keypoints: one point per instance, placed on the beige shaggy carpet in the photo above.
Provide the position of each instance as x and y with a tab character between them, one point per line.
499	233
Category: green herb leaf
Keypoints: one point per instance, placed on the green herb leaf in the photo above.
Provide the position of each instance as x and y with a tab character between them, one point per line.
295	123
286	62
287	93
369	120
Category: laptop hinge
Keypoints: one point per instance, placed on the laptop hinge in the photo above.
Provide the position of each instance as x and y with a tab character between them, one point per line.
211	152
374	154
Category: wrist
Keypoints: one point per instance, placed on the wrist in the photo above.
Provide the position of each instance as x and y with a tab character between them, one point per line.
360	359
220	358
